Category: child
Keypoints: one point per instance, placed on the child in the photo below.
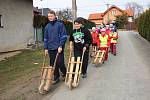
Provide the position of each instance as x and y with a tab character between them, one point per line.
94	40
114	37
94	36
103	42
80	40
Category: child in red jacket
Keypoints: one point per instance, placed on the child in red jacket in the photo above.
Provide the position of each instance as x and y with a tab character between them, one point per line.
103	42
94	36
94	41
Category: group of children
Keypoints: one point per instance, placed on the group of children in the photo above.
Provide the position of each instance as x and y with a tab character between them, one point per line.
105	39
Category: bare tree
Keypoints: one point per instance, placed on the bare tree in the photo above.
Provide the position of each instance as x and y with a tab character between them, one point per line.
65	14
137	8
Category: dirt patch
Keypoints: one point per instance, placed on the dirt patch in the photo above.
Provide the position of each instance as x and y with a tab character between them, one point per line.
7	55
25	88
21	76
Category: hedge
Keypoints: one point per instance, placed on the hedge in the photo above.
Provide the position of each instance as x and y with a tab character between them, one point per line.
41	21
143	24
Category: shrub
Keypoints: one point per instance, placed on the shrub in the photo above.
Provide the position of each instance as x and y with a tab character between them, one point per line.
143	26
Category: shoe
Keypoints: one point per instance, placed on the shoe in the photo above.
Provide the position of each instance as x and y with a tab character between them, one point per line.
84	75
54	82
103	62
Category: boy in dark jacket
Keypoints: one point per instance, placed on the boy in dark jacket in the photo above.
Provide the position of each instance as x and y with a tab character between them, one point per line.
80	40
55	37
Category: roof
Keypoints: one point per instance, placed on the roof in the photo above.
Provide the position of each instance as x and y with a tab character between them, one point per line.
96	16
129	12
35	9
113	6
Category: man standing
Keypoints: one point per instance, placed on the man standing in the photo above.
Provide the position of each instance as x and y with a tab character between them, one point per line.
55	37
80	40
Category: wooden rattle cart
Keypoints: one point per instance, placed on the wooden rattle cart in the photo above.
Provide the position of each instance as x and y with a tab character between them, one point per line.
93	51
47	74
99	56
74	71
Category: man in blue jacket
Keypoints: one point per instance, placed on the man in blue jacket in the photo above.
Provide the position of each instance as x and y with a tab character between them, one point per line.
55	37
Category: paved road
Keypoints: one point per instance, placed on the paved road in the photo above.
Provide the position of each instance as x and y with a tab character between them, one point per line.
124	77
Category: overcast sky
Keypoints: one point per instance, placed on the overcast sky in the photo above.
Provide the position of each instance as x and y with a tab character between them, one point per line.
85	7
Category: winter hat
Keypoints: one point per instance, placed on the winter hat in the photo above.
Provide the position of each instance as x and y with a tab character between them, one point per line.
79	20
103	30
93	28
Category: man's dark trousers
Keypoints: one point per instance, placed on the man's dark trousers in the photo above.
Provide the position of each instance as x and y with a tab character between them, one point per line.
78	53
60	63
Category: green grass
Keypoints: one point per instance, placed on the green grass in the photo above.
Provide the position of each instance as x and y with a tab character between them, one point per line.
22	65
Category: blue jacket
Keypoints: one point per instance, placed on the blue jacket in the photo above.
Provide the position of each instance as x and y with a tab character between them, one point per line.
55	35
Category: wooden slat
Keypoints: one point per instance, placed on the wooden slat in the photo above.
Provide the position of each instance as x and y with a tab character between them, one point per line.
72	73
43	77
76	76
102	56
49	79
96	58
47	67
71	70
74	62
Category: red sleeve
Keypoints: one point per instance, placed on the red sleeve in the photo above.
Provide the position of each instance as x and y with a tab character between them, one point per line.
117	36
97	36
109	39
98	42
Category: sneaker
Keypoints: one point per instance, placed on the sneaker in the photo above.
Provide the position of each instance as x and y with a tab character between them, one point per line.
55	81
103	62
84	75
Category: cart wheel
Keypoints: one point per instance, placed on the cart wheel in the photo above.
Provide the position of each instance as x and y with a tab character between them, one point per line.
70	85
75	85
103	62
41	88
96	65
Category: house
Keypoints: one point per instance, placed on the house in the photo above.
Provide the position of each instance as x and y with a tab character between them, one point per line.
44	11
130	14
36	11
16	24
110	15
97	18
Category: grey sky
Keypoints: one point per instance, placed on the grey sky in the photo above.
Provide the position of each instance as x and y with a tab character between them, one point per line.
85	7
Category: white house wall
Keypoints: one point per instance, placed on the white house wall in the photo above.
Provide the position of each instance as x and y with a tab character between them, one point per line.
17	17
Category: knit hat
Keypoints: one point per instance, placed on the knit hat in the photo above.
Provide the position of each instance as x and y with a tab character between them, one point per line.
78	20
93	28
103	30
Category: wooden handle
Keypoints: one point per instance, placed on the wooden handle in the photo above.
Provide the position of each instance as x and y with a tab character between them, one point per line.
55	60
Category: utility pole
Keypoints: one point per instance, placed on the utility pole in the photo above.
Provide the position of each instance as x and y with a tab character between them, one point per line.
108	12
42	6
74	11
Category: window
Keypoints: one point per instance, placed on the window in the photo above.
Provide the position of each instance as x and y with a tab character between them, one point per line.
1	23
113	12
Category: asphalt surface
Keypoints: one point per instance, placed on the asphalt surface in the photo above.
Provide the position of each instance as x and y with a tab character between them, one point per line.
123	77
